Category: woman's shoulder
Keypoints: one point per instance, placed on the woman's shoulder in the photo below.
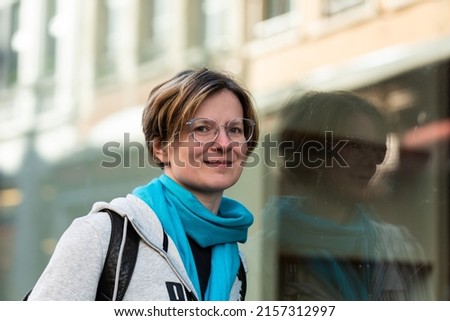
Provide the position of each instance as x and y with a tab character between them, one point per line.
87	232
397	242
136	211
98	220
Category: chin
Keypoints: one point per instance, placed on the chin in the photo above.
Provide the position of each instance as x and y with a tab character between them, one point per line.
224	184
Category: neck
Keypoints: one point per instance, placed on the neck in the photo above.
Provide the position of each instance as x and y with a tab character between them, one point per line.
333	209
210	201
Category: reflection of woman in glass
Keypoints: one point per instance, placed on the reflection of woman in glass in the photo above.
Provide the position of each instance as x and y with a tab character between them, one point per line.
330	245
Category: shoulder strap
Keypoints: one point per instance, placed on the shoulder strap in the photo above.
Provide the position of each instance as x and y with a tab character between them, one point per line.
242	276
105	290
25	298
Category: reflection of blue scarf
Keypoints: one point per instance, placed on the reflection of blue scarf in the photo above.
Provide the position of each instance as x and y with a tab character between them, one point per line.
181	214
331	248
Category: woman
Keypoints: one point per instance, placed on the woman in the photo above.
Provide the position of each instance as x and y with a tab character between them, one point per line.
331	245
199	126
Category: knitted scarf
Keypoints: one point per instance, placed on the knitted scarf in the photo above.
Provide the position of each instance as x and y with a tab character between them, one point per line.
182	214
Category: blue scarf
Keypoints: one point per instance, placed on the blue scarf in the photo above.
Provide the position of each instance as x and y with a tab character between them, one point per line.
181	215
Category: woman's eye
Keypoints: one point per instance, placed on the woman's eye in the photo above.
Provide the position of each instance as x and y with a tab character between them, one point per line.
202	129
236	130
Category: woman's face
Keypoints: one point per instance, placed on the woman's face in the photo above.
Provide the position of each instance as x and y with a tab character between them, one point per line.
210	168
363	151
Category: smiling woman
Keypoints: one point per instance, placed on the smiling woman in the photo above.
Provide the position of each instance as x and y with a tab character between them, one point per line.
199	127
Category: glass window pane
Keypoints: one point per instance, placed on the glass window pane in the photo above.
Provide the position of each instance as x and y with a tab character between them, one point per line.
155	26
332	7
361	208
50	40
216	22
273	8
9	23
108	33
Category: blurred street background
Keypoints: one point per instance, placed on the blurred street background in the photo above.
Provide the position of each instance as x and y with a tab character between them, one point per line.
75	74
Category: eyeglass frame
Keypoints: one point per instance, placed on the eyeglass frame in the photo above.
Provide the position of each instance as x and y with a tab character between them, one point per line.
217	129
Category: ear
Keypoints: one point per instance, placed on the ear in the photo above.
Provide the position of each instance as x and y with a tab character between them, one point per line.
160	152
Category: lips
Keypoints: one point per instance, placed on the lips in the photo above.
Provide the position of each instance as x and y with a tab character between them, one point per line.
218	163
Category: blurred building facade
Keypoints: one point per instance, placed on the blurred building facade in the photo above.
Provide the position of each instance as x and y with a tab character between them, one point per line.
74	75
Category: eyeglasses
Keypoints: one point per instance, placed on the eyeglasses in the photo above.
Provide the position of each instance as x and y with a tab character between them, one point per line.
362	147
205	130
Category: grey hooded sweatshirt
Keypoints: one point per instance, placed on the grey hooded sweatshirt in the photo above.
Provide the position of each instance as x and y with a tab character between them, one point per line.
75	267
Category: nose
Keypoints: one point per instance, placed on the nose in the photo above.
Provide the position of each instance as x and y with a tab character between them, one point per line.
222	138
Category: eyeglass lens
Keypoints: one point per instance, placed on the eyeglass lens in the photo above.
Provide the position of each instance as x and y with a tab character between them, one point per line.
206	130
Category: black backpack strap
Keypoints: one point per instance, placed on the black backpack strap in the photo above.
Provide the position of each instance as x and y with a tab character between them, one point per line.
105	290
242	276
25	298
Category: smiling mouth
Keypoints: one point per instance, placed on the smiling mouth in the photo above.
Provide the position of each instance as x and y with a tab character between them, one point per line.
218	163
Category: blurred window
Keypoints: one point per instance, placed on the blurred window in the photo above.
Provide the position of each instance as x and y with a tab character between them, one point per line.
277	17
107	38
217	17
337	14
154	28
332	7
274	8
9	22
49	56
46	86
195	18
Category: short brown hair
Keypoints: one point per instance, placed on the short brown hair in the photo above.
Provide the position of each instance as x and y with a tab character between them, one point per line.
173	102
